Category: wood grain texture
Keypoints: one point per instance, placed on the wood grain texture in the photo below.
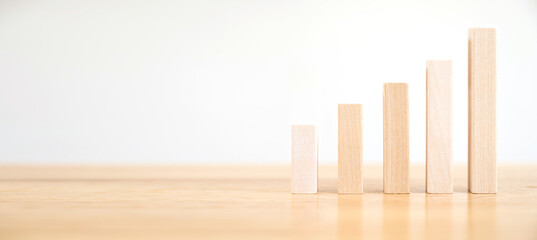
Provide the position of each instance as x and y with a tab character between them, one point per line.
253	202
304	158
396	139
439	156
350	148
482	110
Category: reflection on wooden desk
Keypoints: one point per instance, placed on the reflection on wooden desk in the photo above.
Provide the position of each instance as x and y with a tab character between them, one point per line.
253	203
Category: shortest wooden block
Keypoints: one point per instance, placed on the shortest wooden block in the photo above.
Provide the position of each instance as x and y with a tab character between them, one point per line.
304	158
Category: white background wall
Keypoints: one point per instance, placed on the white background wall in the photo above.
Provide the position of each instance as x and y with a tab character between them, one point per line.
220	82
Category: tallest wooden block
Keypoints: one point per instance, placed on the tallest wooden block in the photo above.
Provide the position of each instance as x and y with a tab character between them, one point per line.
482	110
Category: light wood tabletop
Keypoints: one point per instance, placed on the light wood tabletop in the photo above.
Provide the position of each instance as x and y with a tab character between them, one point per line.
253	202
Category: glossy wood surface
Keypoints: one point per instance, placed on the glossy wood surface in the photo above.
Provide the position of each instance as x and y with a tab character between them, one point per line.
235	202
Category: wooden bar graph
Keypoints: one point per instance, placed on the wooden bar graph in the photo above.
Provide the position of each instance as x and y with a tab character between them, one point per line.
482	172
350	148
396	139
439	170
482	110
304	157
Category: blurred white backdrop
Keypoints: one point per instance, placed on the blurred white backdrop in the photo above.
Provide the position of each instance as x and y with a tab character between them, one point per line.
220	82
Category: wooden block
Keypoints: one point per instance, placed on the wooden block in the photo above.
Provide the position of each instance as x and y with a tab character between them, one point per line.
439	170
396	139
304	157
482	110
350	148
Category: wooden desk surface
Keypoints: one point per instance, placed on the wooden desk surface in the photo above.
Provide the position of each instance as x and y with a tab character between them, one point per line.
253	203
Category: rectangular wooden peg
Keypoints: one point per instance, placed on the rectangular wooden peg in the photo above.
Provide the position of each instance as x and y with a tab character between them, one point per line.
350	148
439	169
396	139
482	110
304	157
